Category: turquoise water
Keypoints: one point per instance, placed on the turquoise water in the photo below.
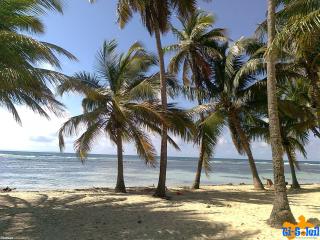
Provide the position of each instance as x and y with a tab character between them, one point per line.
33	171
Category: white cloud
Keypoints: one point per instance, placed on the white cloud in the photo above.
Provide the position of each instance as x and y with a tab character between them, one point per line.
34	134
39	134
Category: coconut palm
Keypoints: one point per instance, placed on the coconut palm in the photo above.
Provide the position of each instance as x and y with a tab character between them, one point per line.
22	82
234	98
155	16
296	121
121	103
281	211
301	31
298	30
299	20
196	40
294	135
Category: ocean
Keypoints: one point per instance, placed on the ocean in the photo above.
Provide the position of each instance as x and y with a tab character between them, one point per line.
46	171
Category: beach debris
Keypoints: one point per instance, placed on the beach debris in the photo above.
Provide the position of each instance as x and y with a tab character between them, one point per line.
242	183
269	182
7	189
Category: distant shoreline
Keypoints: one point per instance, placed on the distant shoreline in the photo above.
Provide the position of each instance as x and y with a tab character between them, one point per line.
151	188
129	155
50	171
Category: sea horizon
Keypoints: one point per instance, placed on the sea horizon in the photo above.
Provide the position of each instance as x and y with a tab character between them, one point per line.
157	156
56	171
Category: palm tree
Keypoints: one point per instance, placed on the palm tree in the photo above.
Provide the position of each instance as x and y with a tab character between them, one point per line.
294	135
301	31
234	99
22	82
296	121
155	17
298	30
281	211
298	20
121	102
196	40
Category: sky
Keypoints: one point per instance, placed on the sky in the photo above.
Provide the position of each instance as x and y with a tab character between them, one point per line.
81	30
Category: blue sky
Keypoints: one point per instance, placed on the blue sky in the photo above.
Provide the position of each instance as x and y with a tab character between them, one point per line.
83	28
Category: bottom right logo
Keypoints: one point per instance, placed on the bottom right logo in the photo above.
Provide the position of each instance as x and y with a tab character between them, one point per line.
301	230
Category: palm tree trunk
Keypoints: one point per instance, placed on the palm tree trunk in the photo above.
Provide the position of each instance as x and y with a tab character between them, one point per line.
196	184
295	183
246	146
120	187
161	188
281	211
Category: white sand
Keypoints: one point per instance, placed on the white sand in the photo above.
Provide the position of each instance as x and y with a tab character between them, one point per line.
216	212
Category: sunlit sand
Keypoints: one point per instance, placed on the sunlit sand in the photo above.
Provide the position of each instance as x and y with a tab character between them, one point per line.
214	212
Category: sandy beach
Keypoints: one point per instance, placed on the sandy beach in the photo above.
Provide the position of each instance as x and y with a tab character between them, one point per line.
214	212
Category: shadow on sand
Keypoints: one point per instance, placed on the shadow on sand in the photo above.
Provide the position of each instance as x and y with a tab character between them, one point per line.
70	217
234	195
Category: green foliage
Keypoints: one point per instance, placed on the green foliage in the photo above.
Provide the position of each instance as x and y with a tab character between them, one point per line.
236	92
297	119
22	82
121	97
154	14
196	40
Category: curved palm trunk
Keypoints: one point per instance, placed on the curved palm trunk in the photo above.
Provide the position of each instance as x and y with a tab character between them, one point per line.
281	211
246	146
161	188
196	75
196	183
295	184
120	187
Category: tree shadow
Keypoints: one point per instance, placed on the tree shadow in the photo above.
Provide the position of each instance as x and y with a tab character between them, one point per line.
219	198
85	216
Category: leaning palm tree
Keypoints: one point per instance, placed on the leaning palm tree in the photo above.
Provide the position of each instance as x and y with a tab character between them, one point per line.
196	40
22	82
234	99
155	16
294	135
281	211
121	103
296	121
